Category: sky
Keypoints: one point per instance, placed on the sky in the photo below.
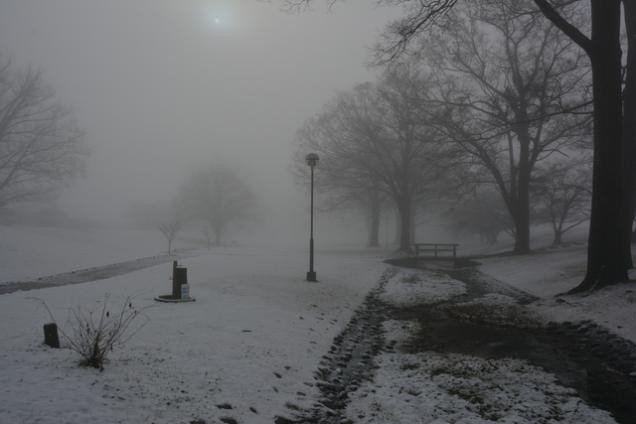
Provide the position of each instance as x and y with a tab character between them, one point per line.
163	87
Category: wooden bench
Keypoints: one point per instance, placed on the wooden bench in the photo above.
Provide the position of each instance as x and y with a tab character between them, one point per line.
436	248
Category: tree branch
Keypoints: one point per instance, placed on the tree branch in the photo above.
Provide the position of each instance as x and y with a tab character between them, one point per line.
560	22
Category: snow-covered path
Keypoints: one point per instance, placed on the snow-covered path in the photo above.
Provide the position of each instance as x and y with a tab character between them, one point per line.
460	349
246	347
85	275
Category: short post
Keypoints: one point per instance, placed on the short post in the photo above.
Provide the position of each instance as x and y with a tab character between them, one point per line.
51	337
179	279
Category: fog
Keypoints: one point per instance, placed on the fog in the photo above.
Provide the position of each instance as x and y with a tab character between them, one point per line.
474	197
165	87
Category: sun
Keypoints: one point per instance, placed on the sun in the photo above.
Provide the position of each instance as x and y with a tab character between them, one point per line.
220	16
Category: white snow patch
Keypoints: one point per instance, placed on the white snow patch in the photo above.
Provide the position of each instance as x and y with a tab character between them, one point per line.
410	288
558	270
451	388
252	339
542	274
613	307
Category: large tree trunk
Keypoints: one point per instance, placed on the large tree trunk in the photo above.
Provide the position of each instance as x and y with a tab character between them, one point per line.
522	227
413	224
404	209
374	221
606	263
629	127
218	234
522	233
522	218
558	238
396	230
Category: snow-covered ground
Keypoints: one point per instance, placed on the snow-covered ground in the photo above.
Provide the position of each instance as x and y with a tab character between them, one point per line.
248	346
411	287
544	274
250	342
555	271
27	253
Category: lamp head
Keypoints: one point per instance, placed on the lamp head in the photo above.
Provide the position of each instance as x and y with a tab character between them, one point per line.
312	159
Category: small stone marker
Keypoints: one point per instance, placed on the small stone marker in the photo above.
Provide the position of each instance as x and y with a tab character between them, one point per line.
51	337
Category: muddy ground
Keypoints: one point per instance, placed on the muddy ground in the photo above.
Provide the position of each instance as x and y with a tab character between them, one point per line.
598	365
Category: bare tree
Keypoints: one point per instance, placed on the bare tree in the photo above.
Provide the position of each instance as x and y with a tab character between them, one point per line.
40	145
169	230
341	188
219	197
373	138
608	247
629	127
207	234
512	91
564	191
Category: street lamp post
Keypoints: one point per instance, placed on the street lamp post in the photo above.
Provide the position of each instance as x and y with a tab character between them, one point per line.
312	161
